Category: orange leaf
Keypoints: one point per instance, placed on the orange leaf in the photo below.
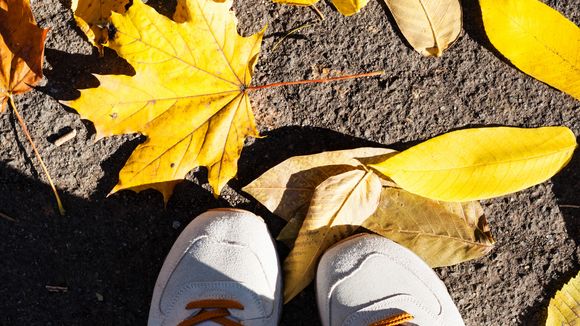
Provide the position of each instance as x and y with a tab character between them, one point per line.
21	49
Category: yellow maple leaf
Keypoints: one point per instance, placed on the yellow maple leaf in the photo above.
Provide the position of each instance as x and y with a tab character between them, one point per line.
92	16
188	95
537	39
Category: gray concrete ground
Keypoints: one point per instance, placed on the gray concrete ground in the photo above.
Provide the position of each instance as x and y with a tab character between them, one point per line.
108	250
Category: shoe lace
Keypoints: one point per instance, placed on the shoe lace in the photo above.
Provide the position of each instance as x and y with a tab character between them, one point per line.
397	319
215	310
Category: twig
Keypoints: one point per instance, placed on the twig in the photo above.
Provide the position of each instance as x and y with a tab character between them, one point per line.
570	206
58	289
25	129
4	216
292	31
66	137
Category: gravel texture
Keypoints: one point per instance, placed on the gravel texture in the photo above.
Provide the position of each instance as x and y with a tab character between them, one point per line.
107	251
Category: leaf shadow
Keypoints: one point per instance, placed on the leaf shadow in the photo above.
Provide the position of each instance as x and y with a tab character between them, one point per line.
286	35
538	312
473	26
566	188
282	143
73	71
164	7
330	6
113	164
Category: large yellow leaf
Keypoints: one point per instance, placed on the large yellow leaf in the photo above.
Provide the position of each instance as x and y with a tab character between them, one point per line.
564	308
480	163
430	26
287	188
188	95
442	233
339	205
537	39
92	17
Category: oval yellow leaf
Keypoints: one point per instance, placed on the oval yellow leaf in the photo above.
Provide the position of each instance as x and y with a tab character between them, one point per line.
537	39
430	26
480	163
441	233
339	205
564	308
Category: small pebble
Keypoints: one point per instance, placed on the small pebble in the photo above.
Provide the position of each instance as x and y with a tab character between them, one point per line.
176	225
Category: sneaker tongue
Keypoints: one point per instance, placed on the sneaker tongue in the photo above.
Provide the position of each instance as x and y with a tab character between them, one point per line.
390	307
175	311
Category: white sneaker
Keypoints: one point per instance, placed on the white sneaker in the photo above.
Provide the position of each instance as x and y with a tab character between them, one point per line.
223	269
369	279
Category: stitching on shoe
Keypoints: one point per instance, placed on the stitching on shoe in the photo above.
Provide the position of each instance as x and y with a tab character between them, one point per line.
403	263
173	265
254	296
229	243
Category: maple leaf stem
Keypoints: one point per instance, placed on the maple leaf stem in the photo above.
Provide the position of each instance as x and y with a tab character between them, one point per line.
25	129
315	81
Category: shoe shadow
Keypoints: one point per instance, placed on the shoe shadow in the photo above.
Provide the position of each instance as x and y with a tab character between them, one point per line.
97	263
101	261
